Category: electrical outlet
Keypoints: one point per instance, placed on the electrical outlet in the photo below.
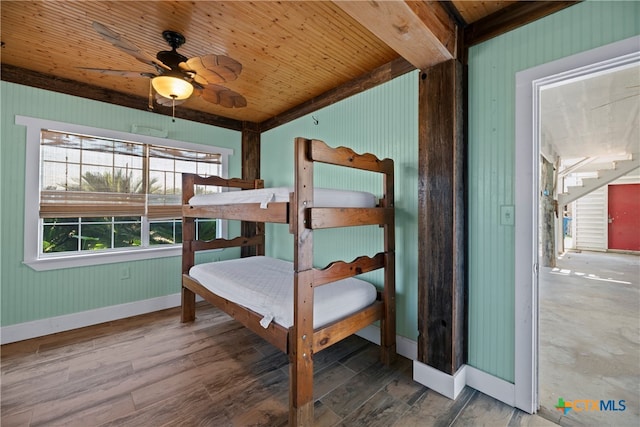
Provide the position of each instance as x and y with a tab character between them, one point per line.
507	215
124	273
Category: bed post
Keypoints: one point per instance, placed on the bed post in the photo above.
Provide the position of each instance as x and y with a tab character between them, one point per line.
188	313
388	323
259	226
301	338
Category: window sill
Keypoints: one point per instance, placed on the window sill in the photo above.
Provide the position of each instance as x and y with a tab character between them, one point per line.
99	258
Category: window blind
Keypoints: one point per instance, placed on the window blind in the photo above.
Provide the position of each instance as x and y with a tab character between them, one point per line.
85	176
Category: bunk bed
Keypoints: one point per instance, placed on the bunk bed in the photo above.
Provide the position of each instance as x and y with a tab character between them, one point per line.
300	333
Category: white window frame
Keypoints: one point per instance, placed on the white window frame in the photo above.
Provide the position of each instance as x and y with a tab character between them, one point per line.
33	234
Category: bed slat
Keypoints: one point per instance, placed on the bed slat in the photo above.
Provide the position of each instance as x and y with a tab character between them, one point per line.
201	245
343	328
246	184
318	218
338	270
275	212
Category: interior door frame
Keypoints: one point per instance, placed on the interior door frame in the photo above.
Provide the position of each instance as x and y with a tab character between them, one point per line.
527	148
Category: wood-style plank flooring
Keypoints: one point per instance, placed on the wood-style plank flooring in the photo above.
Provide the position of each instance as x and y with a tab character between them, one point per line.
152	370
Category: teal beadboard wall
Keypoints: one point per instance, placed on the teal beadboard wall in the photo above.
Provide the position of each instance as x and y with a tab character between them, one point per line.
381	121
492	69
30	295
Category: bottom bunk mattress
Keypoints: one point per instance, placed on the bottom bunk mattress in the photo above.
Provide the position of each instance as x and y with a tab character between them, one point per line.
265	285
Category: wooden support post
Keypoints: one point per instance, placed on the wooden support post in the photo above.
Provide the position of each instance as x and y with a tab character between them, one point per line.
301	342
441	228
250	170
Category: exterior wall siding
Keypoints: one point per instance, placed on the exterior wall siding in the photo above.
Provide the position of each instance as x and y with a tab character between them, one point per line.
492	69
591	221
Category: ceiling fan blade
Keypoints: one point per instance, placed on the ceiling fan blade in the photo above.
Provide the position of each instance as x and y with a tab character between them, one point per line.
212	69
120	73
126	46
221	95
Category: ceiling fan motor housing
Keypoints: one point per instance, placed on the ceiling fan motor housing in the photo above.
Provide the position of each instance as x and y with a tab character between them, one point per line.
174	38
172	58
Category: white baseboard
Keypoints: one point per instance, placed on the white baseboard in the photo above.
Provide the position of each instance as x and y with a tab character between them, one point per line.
447	385
451	385
52	325
490	385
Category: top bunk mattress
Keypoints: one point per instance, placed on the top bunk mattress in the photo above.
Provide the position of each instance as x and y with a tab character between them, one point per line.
322	197
265	285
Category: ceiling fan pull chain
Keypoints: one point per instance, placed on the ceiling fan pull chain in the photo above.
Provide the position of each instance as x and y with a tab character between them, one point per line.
173	109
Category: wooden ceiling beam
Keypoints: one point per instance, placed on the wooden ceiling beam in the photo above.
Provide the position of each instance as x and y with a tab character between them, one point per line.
44	81
367	81
424	33
510	18
38	80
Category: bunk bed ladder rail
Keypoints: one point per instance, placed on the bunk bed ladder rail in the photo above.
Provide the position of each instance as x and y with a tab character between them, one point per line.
303	219
301	337
384	215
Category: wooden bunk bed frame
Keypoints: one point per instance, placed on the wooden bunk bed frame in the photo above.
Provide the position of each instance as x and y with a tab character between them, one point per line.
301	341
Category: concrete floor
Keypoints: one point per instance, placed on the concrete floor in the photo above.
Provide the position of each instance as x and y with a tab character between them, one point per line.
590	337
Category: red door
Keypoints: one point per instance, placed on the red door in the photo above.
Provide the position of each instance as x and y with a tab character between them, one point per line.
624	217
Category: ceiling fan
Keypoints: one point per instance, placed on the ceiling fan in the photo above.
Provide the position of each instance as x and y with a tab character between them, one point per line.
177	77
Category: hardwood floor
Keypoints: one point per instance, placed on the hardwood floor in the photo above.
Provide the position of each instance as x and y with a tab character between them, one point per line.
152	370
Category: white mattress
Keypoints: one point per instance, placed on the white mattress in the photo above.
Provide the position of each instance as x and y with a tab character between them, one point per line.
322	197
265	285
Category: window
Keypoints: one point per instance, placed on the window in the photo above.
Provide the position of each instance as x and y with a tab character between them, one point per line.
104	196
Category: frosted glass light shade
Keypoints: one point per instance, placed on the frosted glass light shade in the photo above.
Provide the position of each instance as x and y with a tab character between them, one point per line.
172	87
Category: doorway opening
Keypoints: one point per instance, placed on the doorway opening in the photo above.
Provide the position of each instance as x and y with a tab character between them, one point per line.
531	137
589	298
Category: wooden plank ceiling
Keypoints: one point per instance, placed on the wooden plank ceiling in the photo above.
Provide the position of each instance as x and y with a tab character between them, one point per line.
296	55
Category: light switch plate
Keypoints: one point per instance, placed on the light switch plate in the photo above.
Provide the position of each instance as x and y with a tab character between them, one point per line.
507	215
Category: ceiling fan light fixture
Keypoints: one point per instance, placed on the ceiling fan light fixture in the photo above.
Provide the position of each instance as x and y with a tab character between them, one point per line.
172	87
